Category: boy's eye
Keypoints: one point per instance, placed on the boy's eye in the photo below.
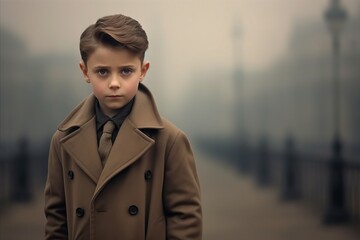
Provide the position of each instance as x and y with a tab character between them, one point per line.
102	72
126	71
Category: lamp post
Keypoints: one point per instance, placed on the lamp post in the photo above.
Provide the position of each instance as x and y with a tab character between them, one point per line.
240	150
335	17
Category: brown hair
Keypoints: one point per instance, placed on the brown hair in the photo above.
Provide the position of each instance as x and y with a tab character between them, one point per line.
116	31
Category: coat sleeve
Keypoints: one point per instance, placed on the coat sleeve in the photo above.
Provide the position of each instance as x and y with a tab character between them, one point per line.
55	207
182	201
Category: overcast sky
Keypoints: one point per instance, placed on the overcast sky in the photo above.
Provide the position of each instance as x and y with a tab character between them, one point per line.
202	29
186	36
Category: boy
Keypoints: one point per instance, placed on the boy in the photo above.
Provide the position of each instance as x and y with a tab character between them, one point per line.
117	170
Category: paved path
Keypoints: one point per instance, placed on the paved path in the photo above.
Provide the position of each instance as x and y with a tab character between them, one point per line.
234	209
23	221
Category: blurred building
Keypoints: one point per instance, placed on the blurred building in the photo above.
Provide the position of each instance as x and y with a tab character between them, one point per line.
36	92
14	86
295	96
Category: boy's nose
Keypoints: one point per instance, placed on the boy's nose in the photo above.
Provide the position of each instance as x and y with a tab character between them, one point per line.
114	82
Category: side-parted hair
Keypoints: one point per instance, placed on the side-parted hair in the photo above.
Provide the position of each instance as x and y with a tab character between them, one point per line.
116	31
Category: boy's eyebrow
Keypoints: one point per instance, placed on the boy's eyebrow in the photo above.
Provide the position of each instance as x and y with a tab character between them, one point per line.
122	66
128	66
101	66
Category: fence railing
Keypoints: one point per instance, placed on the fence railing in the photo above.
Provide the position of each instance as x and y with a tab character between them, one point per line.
308	178
352	186
5	182
21	172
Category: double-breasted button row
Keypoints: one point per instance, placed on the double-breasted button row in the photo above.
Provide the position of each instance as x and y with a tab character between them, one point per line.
147	175
80	212
133	210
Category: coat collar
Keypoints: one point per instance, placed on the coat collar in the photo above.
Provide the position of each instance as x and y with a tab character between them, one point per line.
143	115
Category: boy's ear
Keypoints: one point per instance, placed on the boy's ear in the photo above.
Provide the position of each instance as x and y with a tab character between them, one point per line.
84	71
145	67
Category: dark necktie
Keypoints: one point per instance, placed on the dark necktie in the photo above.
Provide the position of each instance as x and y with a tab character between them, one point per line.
105	142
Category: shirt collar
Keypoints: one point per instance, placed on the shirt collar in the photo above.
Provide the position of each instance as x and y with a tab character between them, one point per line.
118	119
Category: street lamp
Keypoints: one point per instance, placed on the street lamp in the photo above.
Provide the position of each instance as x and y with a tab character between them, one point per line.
335	17
240	151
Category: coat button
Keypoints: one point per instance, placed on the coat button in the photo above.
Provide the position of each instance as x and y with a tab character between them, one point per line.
148	175
80	212
133	210
71	175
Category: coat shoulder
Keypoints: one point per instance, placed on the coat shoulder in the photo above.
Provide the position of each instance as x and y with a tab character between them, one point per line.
170	128
172	133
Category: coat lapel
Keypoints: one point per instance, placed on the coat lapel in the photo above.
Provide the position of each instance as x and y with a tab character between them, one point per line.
130	144
82	146
128	147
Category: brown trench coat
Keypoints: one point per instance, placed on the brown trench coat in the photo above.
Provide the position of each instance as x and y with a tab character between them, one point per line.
148	188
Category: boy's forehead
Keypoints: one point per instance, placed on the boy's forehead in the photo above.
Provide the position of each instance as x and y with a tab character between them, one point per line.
106	54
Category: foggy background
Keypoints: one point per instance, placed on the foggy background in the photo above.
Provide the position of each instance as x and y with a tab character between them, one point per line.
229	73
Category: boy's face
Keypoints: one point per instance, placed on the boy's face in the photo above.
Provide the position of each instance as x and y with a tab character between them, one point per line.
114	75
